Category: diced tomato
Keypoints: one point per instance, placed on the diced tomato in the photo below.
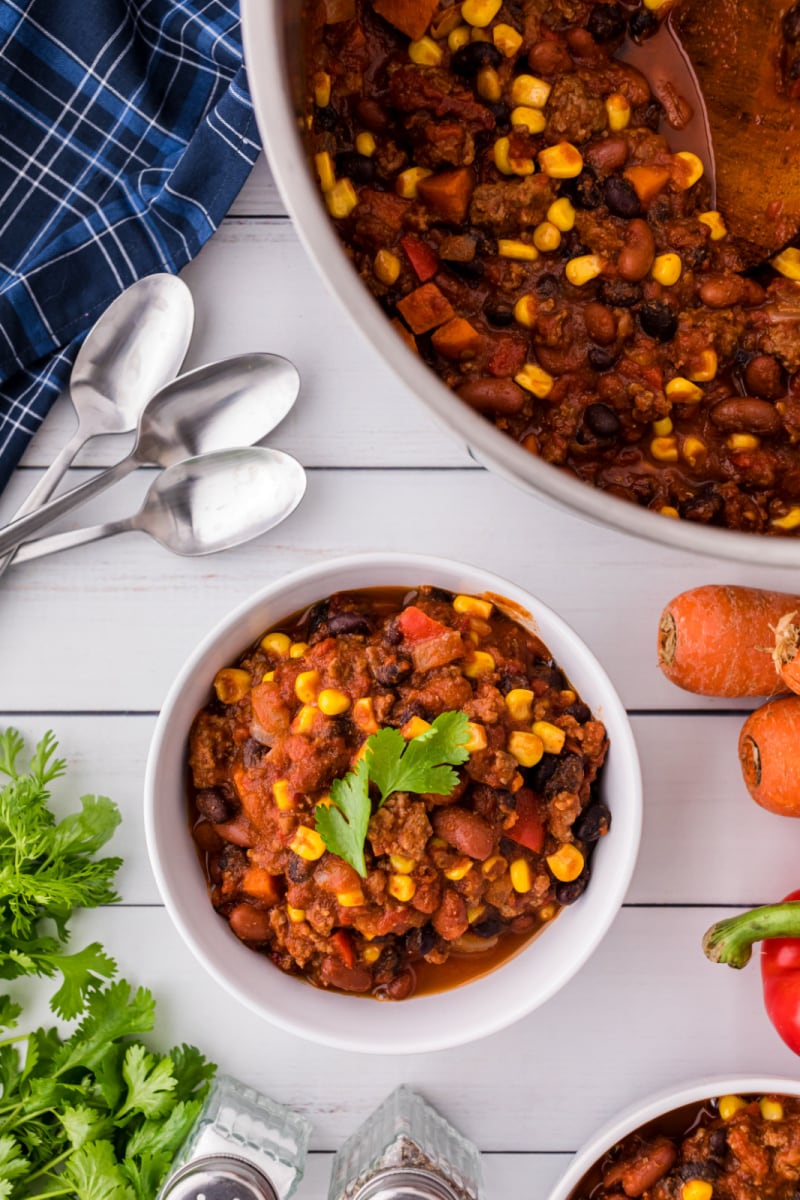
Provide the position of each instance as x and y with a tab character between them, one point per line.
507	357
529	828
424	260
343	945
415	625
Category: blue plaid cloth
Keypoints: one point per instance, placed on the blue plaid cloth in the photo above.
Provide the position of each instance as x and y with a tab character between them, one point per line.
126	131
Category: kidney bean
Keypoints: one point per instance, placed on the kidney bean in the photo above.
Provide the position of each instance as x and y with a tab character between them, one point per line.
371	115
746	414
636	256
548	58
337	974
211	804
493	395
523	924
721	290
450	919
753	293
249	923
607	155
239	831
601	324
348	622
649	1164
399	988
764	377
465	830
678	112
206	837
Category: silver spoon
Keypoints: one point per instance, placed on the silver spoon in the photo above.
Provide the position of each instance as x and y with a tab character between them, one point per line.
234	402
132	350
202	505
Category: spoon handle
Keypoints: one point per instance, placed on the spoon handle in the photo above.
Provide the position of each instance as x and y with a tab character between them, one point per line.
74	537
24	528
43	490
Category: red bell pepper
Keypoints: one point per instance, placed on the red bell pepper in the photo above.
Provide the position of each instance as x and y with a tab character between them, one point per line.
778	926
424	261
415	625
529	828
343	945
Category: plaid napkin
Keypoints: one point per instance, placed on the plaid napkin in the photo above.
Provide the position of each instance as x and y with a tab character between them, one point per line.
126	131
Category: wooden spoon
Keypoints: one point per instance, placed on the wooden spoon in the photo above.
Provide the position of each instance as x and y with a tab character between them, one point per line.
745	128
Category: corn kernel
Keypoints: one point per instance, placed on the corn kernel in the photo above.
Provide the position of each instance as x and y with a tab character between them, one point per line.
742	441
728	1105
322	89
552	737
788	262
332	702
307	843
401	864
507	40
519	702
371	954
562	161
715	222
366	144
664	449
618	111
475	912
458	37
425	52
693	450
298	649
364	715
231	685
479	35
567	863
494	867
506	163
706	369
525	311
341	199
567	696
535	379
697	1189
663	427
771	1110
529	91
268	677
461	868
521	877
522	251
654	5
473	606
477	738
666	269
407	181
386	266
306	686
295	915
562	214
488	86
790	521
402	887
527	748
548	912
414	727
546	236
532	119
480	12
304	719
282	795
584	268
683	391
352	899
276	643
327	176
695	168
481	663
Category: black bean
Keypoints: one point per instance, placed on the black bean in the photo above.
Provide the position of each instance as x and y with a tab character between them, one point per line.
619	293
705	506
489	927
299	869
699	1169
429	592
471	271
606	22
584	191
642	24
540	775
620	196
718	1142
567	777
499	314
658	321
212	805
579	711
252	754
791	24
568	893
500	111
508	682
420	942
593	823
473	57
325	118
547	285
357	167
392	635
600	359
348	622
602	420
552	675
317	617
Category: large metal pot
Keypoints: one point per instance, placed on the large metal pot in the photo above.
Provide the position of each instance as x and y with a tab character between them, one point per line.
273	40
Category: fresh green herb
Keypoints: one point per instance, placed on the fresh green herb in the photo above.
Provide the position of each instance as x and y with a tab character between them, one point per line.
423	764
48	868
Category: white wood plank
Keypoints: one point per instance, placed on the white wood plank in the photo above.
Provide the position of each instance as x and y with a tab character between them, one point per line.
646	1012
259	197
127	613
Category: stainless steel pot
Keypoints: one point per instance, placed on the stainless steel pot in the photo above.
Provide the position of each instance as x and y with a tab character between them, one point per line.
274	54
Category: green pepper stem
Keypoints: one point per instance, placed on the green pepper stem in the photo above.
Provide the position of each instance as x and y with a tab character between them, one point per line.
731	941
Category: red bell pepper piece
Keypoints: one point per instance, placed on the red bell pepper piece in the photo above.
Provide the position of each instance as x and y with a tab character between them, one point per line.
343	945
424	261
529	827
415	625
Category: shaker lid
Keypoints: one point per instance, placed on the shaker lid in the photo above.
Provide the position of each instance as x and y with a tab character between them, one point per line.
218	1177
406	1183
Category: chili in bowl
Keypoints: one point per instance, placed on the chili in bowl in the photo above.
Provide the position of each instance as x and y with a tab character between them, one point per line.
378	804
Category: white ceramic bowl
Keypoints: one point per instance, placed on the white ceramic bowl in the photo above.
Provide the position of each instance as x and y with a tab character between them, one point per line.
428	1022
658	1105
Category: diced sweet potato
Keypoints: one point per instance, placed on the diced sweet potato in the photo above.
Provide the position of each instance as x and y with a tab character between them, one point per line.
457	339
411	17
425	308
448	193
405	334
647	181
459	247
339	10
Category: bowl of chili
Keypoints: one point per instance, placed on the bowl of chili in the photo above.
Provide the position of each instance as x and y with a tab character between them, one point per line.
667	404
198	744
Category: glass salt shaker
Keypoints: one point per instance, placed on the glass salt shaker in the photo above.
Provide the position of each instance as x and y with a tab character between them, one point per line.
406	1151
243	1146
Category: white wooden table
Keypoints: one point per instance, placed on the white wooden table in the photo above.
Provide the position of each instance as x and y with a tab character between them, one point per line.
90	640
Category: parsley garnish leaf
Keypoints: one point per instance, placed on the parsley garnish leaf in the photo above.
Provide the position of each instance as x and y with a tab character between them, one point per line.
342	825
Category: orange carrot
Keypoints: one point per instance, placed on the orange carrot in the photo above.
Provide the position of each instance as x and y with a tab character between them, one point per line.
714	640
769	753
786	653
